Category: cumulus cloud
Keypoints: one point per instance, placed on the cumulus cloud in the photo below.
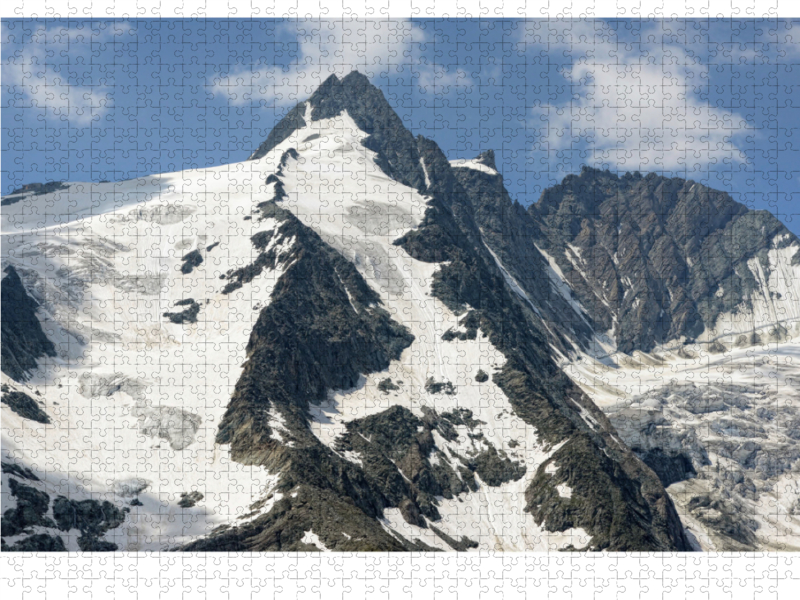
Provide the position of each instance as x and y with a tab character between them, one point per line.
629	104
377	48
49	69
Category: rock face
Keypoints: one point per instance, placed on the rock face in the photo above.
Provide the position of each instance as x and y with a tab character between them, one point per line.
654	259
385	345
23	340
394	145
25	406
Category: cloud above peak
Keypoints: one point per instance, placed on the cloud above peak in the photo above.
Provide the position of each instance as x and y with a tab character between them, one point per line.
632	102
320	48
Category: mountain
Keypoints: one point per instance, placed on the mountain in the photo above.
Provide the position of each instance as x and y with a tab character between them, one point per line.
681	324
349	342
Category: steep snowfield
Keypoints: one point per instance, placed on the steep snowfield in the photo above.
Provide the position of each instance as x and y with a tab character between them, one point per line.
135	399
336	188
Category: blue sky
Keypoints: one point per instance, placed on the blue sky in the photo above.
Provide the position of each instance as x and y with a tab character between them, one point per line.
709	100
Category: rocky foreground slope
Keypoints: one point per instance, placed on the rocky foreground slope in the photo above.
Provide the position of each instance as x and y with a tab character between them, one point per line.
349	342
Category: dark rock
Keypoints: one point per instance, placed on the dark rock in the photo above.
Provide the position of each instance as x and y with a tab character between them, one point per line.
38	189
38	542
671	467
266	259
92	517
188	500
187	315
311	338
289	124
495	468
462	416
396	447
366	105
616	498
725	519
461	545
470	322
290	154
212	246
513	234
656	250
438	387
23	340
19	471
481	376
30	510
410	512
321	510
11	199
717	347
190	261
385	386
25	406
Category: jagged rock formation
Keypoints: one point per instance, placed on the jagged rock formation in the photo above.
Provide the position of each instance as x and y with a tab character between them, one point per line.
656	259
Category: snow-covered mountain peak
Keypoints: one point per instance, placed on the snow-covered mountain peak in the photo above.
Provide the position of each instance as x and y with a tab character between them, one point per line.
349	342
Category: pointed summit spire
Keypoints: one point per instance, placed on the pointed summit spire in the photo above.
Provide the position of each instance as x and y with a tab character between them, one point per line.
333	96
354	94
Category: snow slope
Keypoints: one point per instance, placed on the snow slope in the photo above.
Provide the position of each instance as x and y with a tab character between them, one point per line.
130	382
127	381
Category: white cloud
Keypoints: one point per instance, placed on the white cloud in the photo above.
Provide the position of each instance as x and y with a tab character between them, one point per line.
633	106
43	67
375	47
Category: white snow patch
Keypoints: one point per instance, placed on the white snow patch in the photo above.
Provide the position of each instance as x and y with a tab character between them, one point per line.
564	490
471	163
279	430
425	171
309	537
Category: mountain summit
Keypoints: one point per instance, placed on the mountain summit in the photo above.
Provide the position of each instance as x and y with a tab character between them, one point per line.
350	343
